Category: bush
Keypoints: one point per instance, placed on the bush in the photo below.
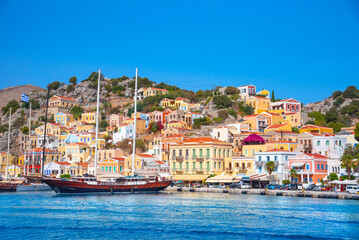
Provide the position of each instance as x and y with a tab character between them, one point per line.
319	118
70	88
351	92
54	85
285	181
223	114
218	119
14	105
337	126
333	176
68	176
76	111
222	102
25	130
231	90
337	94
73	80
339	101
332	115
232	112
201	121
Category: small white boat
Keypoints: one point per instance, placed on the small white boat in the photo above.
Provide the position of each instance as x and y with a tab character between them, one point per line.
34	187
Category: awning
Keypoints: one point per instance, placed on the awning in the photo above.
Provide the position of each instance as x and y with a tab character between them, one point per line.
220	179
164	174
297	164
190	178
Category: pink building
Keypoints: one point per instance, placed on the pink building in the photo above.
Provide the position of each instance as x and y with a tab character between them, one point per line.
156	116
310	167
115	121
289	105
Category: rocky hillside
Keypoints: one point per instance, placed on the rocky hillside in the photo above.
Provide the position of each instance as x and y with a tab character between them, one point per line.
14	93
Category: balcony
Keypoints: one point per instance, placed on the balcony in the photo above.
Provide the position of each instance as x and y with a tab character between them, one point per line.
178	158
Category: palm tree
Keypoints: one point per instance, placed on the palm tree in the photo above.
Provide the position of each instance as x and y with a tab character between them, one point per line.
270	167
293	174
348	163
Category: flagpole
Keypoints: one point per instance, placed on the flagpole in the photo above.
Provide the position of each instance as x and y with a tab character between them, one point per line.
29	143
8	147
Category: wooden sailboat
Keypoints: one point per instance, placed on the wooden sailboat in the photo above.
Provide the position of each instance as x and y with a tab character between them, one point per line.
91	185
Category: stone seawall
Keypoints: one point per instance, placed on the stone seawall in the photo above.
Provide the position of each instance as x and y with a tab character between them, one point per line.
313	194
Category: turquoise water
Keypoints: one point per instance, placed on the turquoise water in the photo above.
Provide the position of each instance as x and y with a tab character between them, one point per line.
176	216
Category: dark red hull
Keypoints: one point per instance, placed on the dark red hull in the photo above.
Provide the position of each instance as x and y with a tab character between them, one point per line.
8	187
74	187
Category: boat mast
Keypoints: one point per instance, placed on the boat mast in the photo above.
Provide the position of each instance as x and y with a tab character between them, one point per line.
97	112
43	148
8	147
134	130
29	143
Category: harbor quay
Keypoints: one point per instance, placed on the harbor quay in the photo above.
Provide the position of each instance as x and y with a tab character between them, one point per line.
308	194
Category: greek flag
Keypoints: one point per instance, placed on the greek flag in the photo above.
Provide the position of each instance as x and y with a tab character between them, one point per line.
24	98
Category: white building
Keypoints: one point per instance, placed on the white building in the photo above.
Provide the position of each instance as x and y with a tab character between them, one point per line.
125	131
52	142
246	91
280	159
55	168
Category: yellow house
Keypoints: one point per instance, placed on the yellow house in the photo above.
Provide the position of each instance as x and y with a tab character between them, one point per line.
195	159
112	164
77	169
3	161
168	103
264	93
283	145
64	118
139	159
89	117
315	129
60	104
85	128
178	124
15	170
146	92
279	127
77	152
250	150
140	124
243	165
260	104
293	118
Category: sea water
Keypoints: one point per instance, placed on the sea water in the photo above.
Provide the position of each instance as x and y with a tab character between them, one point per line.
175	215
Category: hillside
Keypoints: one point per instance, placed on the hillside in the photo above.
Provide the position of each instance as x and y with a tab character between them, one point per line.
14	93
339	110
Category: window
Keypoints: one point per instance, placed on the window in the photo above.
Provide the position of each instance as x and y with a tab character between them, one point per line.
259	158
219	152
180	152
322	167
194	166
318	166
215	152
187	152
106	168
275	158
215	165
219	165
174	153
180	166
208	166
114	169
208	153
318	143
252	152
268	158
245	152
326	167
228	155
200	153
187	166
327	143
194	153
174	166
110	168
201	166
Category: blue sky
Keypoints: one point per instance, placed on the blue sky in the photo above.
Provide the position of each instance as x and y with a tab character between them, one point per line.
301	49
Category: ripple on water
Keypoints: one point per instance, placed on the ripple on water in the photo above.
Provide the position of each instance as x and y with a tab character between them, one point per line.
176	216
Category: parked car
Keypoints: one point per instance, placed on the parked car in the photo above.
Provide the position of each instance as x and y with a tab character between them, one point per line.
234	185
317	188
327	188
352	189
271	186
245	186
196	185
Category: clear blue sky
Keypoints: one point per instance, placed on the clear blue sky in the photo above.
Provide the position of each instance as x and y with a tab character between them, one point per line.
301	49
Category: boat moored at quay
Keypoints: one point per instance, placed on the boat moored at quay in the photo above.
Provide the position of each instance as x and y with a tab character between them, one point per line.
80	185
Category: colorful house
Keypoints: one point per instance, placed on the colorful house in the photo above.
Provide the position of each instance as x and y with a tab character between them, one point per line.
311	168
279	127
260	104
63	118
60	104
286	106
112	164
264	93
315	129
77	152
89	117
147	92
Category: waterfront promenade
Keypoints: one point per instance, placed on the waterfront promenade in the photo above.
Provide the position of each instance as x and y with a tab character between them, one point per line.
298	193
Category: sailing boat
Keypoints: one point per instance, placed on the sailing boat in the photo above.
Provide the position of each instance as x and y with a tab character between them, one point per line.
120	185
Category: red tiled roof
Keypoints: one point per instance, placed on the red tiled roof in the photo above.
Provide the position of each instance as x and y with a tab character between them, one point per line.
290	132
181	98
79	143
316	156
145	155
159	162
176	135
62	163
282	142
276	126
313	126
118	159
160	89
182	128
65	98
202	139
38	150
261	97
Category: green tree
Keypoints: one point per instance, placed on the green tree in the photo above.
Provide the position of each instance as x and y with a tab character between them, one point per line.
294	129
338	101
223	114
54	85
232	90
73	80
351	92
232	112
222	101
70	88
333	177
270	167
319	118
103	125
246	109
337	94
293	174
273	97
25	130
13	104
332	115
77	111
34	104
356	132
347	162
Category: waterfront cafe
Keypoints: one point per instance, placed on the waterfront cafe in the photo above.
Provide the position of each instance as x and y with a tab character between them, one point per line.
223	180
190	178
341	185
261	180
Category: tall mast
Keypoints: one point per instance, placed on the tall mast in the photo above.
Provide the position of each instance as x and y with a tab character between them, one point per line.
97	112
134	130
29	144
8	146
43	148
